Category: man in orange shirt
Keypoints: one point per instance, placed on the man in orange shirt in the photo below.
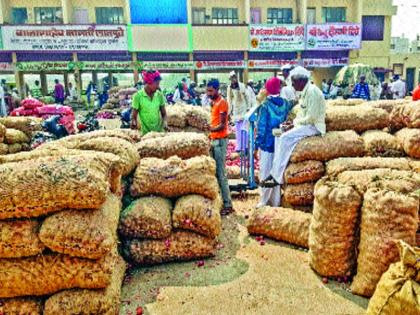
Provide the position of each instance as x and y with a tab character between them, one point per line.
416	93
218	135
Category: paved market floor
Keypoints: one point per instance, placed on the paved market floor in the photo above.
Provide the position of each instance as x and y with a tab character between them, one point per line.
243	278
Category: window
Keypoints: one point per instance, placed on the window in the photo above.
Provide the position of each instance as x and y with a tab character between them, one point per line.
333	15
80	16
255	15
225	16
392	46
111	15
279	16
311	16
52	15
19	16
373	27
199	15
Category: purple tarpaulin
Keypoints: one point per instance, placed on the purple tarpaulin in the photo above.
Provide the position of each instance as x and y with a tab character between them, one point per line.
5	57
43	56
252	55
324	54
163	56
218	55
101	56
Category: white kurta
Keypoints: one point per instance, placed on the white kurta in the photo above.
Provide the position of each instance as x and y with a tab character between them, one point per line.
238	101
398	89
268	196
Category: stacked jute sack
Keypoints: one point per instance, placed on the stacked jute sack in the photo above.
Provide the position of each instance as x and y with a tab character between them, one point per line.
16	133
59	215
176	213
353	131
182	117
58	236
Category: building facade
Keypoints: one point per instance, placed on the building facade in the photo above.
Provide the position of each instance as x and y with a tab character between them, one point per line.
196	36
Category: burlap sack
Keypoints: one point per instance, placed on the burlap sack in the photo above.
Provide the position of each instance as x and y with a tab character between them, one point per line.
331	146
198	214
188	129
387	105
24	124
332	233
198	117
134	135
125	150
48	274
300	194
31	155
19	238
304	172
21	306
179	246
281	224
176	116
175	177
113	133
4	149
360	180
340	165
153	135
2	132
398	290
87	234
357	118
15	148
405	115
148	217
415	165
38	187
285	204
86	302
410	140
232	172
382	144
182	144
343	102
13	136
386	216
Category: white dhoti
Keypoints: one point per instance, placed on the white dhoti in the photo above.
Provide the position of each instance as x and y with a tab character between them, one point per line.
284	146
3	109
268	196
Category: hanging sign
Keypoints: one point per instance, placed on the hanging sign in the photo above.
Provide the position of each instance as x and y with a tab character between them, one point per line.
267	37
214	65
65	37
6	67
169	65
325	62
333	36
270	64
102	65
42	66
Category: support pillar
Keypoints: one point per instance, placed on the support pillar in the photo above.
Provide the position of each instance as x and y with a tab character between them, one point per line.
110	79
20	84
95	77
302	16
77	77
66	82
359	10
67	9
135	71
247	9
44	83
193	76
246	71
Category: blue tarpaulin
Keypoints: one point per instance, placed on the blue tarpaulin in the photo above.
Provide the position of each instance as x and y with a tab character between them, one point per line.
159	11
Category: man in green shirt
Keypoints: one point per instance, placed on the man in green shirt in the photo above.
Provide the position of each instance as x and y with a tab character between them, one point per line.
149	105
36	91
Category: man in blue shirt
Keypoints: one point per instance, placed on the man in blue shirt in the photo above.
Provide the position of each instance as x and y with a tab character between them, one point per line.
361	90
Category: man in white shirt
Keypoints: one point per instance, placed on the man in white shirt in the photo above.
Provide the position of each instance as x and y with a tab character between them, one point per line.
251	93
3	110
398	88
310	121
239	104
288	92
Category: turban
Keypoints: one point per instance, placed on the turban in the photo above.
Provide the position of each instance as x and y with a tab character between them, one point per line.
151	76
300	73
273	86
214	83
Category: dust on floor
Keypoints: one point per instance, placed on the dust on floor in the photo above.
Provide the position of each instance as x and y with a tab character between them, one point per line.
243	278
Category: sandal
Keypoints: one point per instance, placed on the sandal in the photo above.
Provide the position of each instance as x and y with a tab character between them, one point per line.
226	211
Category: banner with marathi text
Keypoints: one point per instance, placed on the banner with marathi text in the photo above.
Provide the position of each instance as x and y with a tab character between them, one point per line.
267	37
64	37
333	36
270	64
214	65
325	62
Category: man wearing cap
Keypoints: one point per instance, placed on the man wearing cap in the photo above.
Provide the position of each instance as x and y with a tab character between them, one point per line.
398	88
310	121
219	132
149	105
288	92
239	104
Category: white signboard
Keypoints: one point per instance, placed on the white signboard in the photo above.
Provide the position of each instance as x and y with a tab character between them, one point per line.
325	62
267	37
212	65
270	64
6	67
64	37
333	36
